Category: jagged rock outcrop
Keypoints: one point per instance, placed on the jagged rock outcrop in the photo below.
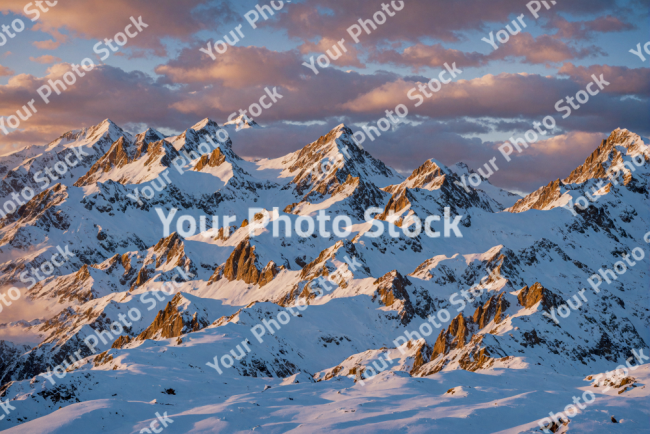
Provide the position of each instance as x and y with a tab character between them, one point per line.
454	337
170	248
121	153
429	175
541	200
215	159
476	359
170	323
121	341
41	209
268	273
462	331
528	297
95	141
397	203
423	355
391	290
493	309
242	265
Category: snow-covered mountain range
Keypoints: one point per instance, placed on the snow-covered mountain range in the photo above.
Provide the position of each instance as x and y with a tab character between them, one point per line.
488	332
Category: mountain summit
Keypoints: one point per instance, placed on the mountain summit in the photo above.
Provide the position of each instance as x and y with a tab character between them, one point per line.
242	122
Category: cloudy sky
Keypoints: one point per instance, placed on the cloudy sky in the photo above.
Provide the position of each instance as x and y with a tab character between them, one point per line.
161	78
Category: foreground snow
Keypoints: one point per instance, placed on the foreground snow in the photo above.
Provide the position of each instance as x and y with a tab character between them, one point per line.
503	401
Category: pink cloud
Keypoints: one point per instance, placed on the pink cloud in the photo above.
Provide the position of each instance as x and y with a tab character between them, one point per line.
541	50
347	58
586	29
4	71
47	59
524	47
622	80
103	92
237	68
47	45
99	19
59	38
438	19
419	56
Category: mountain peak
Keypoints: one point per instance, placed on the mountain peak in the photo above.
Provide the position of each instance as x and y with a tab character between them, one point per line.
343	130
345	159
430	176
242	122
105	125
341	127
149	135
204	123
602	160
623	152
109	128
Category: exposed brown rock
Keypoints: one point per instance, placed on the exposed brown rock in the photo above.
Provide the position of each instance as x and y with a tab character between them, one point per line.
143	275
82	275
392	287
223	234
317	267
168	248
289	208
215	159
426	173
350	180
116	157
539	199
43	206
625	383
422	356
555	427
528	297
423	175
396	203
242	265
102	359
454	337
461	332
593	167
121	341
268	273
126	262
473	361
159	149
169	323
217	275
494	308
334	372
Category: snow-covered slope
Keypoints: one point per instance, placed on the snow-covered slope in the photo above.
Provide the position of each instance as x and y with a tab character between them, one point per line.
242	327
